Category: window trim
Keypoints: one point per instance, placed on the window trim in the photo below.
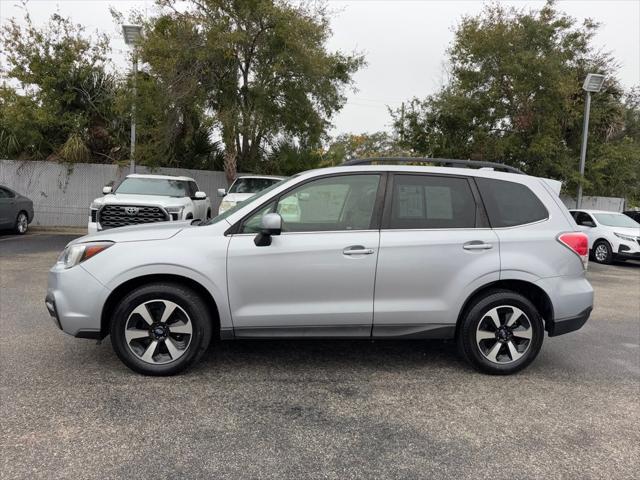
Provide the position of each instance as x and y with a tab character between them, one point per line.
376	216
481	221
9	193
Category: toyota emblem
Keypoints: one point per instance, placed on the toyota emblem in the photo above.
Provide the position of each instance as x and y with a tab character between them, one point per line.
131	210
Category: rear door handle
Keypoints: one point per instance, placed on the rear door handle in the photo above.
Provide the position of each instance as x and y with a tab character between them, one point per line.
357	250
477	245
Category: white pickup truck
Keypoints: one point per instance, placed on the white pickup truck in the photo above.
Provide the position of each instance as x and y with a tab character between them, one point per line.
142	199
244	187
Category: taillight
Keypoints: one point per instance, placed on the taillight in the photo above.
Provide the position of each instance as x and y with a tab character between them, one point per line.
578	243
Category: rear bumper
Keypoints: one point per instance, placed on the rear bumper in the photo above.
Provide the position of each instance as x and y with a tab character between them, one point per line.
560	326
572	301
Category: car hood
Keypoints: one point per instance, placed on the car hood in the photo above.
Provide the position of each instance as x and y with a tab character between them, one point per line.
150	200
138	233
634	232
237	197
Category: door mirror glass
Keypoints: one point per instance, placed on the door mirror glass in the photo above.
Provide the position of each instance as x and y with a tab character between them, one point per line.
106	190
222	192
200	196
271	225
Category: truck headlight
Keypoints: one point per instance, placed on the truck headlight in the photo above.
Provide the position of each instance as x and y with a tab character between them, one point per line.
226	205
79	252
628	238
175	212
93	212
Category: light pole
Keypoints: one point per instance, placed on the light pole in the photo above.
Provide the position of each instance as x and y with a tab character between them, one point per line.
132	34
593	83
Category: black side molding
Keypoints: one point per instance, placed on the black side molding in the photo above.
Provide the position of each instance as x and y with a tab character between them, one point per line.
560	326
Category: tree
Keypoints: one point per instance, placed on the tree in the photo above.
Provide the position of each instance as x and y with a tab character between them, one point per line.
57	99
514	96
260	67
349	146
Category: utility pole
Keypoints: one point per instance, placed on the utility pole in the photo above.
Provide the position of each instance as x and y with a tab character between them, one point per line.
592	84
132	35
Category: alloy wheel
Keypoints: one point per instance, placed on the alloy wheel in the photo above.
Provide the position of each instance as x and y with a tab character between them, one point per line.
504	334
602	252
158	331
23	223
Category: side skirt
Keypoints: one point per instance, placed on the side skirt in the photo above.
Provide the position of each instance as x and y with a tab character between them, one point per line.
415	331
399	332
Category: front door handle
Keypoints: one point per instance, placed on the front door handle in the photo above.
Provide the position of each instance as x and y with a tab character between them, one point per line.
357	250
477	245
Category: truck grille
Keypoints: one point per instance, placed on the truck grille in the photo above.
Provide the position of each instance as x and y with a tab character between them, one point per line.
111	216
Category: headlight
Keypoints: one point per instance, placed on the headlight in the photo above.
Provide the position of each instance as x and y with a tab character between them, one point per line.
175	212
628	238
78	253
226	205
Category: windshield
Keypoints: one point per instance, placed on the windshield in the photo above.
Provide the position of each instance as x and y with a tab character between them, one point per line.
154	186
251	185
616	220
241	204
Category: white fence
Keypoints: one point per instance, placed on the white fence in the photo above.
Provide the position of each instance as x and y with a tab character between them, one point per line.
609	204
62	194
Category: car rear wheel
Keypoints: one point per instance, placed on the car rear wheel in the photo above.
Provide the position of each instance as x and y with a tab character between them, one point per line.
501	333
602	252
160	329
22	223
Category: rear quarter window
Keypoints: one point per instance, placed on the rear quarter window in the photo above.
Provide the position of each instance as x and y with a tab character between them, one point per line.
509	204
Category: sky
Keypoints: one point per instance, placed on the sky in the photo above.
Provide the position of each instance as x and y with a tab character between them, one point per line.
404	42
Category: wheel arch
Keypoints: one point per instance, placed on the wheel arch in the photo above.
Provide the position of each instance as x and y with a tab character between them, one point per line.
602	239
532	292
121	290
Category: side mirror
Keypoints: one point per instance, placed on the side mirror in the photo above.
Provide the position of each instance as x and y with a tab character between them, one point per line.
200	196
106	190
222	192
271	225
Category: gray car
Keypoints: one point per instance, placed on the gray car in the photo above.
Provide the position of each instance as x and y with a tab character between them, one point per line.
16	211
491	259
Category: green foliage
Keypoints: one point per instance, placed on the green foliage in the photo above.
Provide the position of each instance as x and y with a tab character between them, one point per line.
350	146
515	96
259	67
58	92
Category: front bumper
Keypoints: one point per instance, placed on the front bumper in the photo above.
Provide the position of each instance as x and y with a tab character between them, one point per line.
75	300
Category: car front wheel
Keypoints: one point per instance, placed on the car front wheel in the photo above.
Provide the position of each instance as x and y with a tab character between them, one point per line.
160	329
602	252
501	333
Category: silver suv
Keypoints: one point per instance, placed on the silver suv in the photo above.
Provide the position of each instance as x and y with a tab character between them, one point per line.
491	259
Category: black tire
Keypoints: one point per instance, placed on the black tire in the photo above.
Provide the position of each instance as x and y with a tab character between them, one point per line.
208	214
22	223
189	303
502	300
602	252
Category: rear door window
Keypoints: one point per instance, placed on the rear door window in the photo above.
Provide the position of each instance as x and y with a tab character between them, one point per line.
429	201
509	204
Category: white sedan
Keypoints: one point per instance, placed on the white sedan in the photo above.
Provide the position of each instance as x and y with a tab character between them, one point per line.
612	236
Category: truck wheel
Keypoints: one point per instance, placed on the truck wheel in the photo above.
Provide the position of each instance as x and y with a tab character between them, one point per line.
160	329
501	333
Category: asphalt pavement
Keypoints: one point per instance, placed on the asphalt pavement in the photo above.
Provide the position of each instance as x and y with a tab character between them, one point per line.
314	409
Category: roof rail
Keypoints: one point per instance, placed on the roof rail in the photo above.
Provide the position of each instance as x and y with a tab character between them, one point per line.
440	161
